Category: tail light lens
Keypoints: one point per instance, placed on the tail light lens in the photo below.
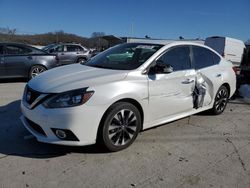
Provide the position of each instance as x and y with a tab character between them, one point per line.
236	70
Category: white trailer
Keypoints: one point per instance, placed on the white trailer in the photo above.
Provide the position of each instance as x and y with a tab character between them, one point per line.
231	49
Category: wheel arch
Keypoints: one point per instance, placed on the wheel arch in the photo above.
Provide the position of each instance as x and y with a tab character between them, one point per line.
128	100
228	88
44	66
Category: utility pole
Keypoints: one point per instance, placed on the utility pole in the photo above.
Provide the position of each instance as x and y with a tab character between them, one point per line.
132	29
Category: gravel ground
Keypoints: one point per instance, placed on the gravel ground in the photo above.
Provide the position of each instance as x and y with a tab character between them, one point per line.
198	151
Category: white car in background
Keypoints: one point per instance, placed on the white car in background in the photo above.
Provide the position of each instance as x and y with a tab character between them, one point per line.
123	90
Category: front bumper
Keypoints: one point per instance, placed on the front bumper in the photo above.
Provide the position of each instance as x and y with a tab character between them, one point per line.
83	121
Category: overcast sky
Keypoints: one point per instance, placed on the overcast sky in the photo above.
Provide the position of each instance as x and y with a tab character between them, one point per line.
166	19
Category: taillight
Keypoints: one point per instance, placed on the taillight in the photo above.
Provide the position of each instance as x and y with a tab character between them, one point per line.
236	70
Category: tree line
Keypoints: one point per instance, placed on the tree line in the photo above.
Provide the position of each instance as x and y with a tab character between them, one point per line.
95	41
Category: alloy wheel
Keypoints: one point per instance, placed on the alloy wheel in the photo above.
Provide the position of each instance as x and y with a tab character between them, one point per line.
122	127
221	100
36	70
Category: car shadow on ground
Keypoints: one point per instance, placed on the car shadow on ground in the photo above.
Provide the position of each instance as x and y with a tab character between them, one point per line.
15	140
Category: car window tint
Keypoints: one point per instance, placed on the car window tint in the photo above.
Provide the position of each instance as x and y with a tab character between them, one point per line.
81	48
202	57
178	58
216	58
58	48
17	50
73	48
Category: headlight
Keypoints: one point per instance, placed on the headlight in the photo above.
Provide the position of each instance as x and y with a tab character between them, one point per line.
68	99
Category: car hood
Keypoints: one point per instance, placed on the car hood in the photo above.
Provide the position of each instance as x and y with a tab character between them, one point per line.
74	76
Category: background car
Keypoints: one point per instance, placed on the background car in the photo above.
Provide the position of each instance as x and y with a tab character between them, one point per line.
68	53
20	60
109	100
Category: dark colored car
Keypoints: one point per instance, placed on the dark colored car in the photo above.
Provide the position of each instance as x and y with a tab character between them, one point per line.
245	67
20	60
69	53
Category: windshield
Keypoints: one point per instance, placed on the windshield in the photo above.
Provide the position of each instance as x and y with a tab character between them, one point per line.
46	48
127	56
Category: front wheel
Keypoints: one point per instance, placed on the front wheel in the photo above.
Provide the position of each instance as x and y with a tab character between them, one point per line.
220	101
35	70
120	127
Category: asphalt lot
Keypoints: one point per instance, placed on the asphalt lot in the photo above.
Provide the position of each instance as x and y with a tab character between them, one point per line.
198	151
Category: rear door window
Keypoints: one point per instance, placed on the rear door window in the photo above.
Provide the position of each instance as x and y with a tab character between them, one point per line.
178	58
204	57
17	50
73	48
59	48
216	58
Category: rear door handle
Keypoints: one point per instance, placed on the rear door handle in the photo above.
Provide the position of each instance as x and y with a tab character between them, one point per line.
188	81
29	57
218	75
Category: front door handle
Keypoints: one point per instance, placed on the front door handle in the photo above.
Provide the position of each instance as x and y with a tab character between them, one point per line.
188	81
218	75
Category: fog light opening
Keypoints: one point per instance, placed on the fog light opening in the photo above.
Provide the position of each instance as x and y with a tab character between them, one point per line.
64	134
61	134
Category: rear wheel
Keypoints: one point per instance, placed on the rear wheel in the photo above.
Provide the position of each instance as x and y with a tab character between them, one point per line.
220	101
81	60
120	127
36	70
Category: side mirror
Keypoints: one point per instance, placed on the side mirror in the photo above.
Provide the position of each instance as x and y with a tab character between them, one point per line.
161	68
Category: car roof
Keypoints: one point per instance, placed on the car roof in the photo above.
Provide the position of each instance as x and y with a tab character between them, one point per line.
13	43
166	43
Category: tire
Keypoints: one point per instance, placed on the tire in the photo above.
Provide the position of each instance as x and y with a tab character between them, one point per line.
35	70
81	60
220	101
120	126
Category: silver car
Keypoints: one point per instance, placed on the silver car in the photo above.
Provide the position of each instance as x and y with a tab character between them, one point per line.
69	53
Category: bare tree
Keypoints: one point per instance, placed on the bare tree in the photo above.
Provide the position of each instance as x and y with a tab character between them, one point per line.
97	34
8	31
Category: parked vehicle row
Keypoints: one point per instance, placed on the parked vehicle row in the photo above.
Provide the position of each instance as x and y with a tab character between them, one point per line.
69	53
19	60
123	90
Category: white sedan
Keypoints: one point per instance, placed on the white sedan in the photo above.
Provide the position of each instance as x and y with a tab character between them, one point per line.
123	90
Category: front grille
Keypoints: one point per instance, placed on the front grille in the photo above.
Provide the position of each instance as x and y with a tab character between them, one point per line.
35	127
31	95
